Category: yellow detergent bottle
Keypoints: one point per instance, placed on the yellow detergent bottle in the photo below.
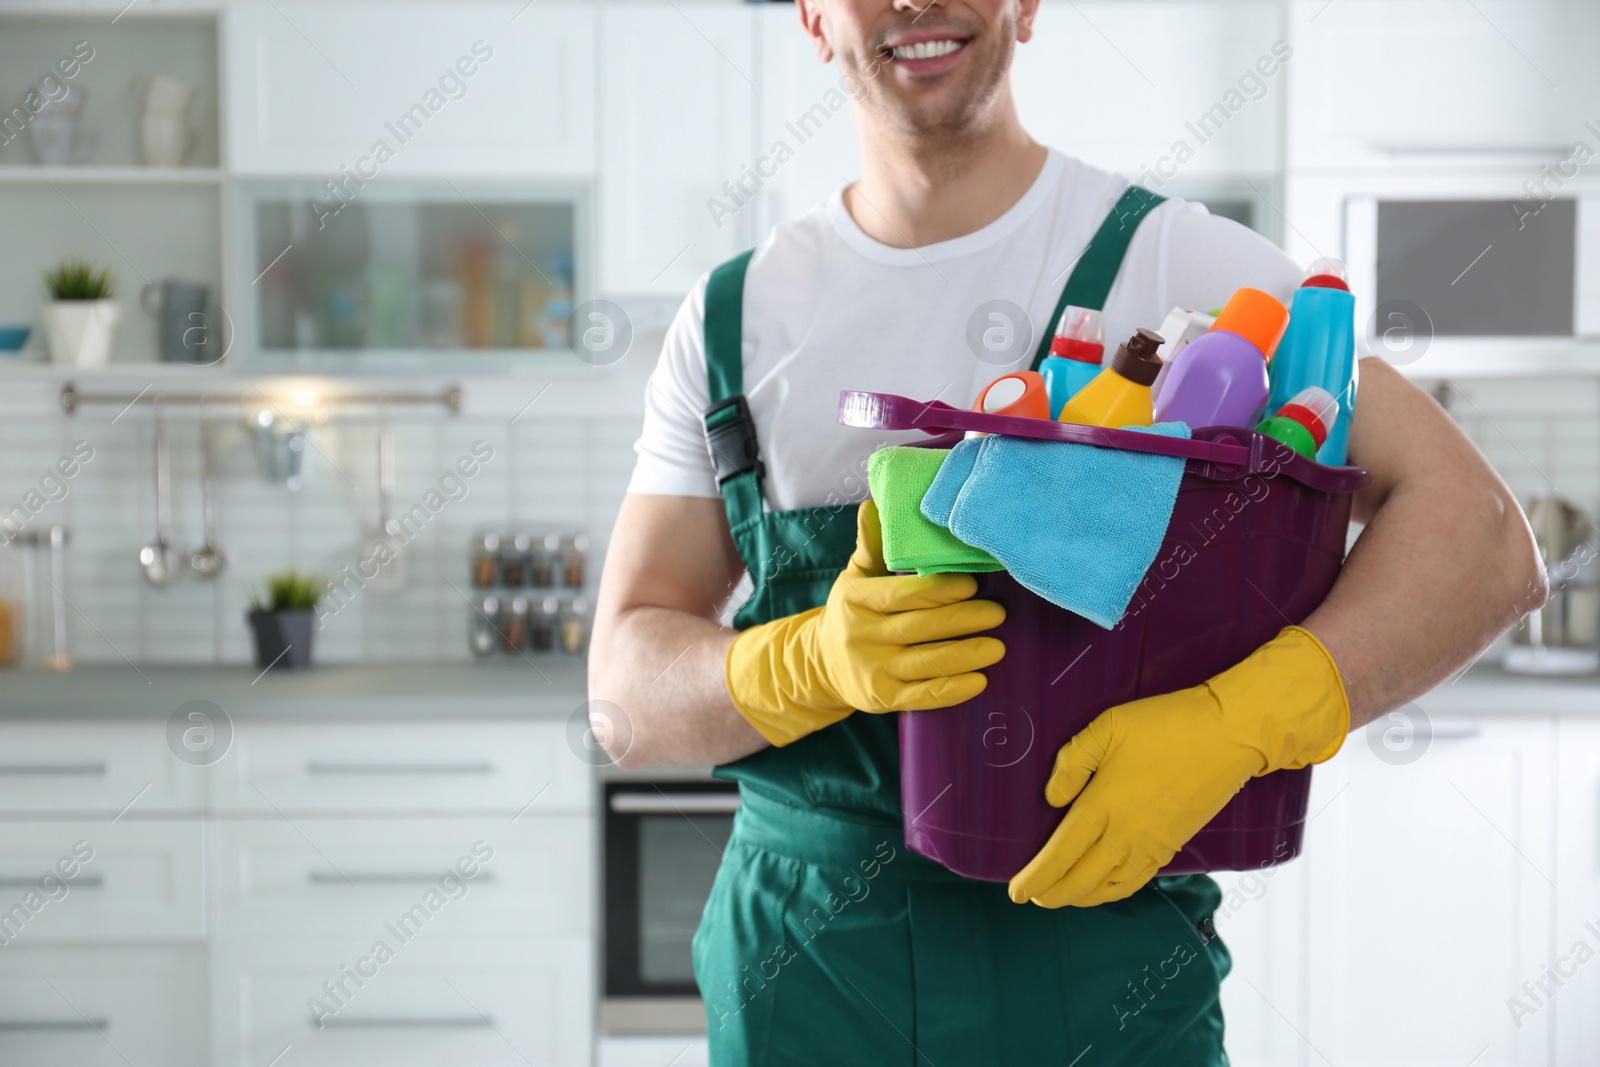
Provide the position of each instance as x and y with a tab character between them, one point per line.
1120	394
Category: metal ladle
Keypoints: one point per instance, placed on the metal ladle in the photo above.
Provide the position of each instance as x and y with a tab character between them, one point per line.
208	560
157	558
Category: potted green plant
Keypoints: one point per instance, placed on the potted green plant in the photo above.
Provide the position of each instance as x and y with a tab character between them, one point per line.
282	617
81	317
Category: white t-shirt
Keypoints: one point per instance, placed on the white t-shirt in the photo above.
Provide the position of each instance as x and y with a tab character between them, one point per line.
828	308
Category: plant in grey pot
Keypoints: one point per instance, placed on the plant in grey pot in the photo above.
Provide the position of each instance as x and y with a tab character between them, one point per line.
81	317
283	619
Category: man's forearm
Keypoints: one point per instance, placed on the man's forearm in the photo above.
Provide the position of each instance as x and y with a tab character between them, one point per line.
1445	565
1405	614
664	679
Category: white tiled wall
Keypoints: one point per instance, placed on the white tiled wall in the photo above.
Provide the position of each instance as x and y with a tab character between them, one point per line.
1540	434
563	475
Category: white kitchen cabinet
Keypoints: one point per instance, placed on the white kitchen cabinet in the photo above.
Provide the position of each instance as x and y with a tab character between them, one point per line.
477	89
113	768
103	1007
1431	896
1385	84
504	1003
388	770
1569	989
677	106
348	877
131	880
806	136
1123	85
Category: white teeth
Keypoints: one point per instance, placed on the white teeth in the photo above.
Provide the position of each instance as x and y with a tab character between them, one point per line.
926	49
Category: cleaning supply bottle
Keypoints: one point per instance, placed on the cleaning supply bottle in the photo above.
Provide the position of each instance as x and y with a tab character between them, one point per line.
1120	394
1221	378
1075	355
1020	393
1303	422
1319	349
1180	327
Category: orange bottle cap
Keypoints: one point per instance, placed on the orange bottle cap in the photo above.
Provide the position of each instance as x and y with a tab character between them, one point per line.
1255	316
1020	393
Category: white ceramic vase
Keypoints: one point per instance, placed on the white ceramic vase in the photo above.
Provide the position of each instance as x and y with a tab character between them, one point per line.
81	331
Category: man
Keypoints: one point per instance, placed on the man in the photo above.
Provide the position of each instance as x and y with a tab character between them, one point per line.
825	940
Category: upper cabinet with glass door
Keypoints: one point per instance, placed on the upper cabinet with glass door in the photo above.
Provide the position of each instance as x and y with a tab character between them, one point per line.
482	89
408	275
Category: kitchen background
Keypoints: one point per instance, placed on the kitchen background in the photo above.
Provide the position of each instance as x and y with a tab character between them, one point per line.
554	177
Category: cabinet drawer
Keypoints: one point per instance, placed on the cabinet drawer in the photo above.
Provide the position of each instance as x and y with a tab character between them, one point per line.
94	767
130	881
394	769
103	1007
503	1004
363	879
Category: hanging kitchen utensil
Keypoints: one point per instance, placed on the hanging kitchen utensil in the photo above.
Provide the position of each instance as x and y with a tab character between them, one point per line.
60	658
158	558
208	560
385	549
1563	637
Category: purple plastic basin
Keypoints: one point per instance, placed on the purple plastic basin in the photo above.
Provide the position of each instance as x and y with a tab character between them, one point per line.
1256	540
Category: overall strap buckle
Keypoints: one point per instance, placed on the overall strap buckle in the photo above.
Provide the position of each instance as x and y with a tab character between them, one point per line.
731	437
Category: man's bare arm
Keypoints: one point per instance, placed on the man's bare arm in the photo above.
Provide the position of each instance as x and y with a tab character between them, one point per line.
658	651
1445	565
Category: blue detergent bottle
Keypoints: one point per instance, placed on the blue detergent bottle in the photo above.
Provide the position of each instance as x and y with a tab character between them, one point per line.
1075	354
1319	349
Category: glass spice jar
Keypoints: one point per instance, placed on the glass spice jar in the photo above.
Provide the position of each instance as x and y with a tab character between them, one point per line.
575	626
545	559
574	555
514	561
482	637
514	624
485	560
543	623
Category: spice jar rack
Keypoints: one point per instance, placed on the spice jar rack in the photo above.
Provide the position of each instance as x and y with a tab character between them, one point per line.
528	593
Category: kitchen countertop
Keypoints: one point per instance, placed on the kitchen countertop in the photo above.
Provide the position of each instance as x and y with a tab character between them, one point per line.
1489	689
499	689
514	689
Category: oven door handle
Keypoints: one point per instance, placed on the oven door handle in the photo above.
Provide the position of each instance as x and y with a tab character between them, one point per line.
707	803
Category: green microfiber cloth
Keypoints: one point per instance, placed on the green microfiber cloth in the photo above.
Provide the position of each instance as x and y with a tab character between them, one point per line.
899	477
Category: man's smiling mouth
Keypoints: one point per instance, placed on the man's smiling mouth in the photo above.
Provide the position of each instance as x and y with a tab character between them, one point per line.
925	49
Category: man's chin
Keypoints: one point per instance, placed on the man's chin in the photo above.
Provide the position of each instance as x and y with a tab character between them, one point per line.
934	117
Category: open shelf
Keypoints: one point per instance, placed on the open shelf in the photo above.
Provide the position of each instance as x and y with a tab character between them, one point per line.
88	175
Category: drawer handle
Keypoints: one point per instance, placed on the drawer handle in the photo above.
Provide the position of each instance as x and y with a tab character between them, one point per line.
82	881
322	767
52	768
55	1026
407	1022
675	803
1456	733
385	877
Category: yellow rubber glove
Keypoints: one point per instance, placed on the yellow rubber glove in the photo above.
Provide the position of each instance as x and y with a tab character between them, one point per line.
1144	777
880	643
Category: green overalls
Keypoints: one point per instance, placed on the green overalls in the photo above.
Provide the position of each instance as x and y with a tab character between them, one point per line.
825	940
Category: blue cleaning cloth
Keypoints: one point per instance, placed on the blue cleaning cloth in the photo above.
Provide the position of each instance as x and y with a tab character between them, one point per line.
1076	524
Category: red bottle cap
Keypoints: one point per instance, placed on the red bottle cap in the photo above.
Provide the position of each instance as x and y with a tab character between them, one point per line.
1327	273
1314	408
1072	348
1080	335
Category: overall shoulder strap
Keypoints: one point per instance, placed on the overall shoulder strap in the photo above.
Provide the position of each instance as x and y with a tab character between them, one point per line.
1091	280
730	432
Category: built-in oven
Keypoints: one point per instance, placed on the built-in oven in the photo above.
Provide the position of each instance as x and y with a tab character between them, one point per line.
663	843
